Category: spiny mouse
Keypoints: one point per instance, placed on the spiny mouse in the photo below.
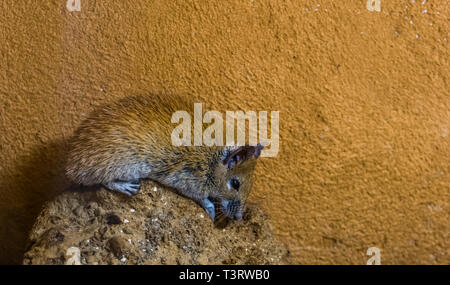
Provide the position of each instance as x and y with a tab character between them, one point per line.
129	140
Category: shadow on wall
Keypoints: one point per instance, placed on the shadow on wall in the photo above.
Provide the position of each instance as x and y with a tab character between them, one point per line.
37	178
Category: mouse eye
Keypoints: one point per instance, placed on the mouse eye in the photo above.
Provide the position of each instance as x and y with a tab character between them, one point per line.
234	184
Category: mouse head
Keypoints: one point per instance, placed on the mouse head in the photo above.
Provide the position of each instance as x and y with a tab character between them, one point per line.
234	175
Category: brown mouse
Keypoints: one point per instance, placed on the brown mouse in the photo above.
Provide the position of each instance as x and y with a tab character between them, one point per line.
130	140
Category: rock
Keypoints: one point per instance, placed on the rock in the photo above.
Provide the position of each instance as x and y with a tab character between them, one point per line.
162	228
127	230
113	219
118	246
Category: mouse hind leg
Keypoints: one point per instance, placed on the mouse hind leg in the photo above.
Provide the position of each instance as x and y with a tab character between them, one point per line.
129	188
127	181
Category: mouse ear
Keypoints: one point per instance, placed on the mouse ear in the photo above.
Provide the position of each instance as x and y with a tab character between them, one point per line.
241	154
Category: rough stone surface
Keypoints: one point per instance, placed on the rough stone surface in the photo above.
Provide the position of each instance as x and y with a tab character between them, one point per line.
154	227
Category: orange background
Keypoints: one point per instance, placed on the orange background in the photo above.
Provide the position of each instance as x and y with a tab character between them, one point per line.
363	99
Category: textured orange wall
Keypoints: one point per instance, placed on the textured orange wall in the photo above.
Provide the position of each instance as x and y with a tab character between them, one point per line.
364	108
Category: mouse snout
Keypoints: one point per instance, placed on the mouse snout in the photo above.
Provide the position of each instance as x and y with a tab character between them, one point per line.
233	209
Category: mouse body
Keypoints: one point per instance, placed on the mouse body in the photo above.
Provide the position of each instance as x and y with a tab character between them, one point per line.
122	143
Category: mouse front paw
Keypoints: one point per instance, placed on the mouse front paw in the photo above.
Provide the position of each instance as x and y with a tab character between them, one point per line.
209	208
